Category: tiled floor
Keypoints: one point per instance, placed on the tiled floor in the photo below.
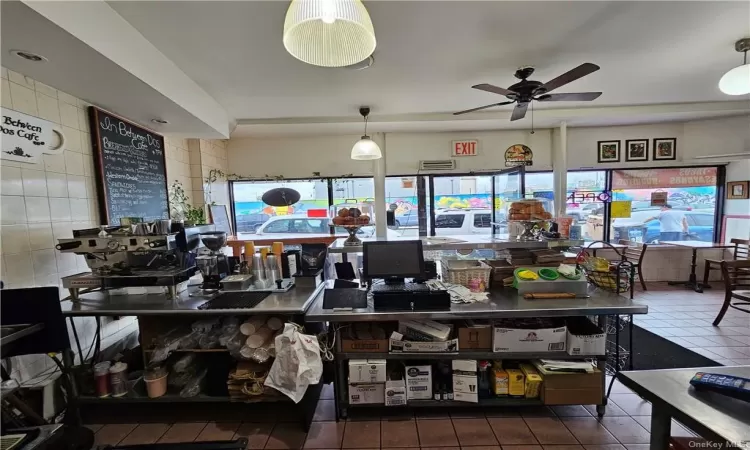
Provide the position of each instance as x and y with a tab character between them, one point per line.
686	318
678	314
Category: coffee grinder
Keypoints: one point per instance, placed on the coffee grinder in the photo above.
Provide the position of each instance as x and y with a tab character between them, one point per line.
214	266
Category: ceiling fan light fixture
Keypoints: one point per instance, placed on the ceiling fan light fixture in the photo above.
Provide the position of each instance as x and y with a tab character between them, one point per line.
737	81
329	33
365	148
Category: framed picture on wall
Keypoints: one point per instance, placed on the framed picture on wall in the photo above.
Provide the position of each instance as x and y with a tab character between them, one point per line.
608	151
636	150
738	190
665	149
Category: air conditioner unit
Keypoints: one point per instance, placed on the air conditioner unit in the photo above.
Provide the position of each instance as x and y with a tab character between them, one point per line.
442	164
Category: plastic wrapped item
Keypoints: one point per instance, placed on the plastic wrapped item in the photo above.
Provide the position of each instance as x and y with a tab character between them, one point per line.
252	325
205	325
259	338
209	339
190	340
180	379
195	385
182	364
297	365
235	342
275	323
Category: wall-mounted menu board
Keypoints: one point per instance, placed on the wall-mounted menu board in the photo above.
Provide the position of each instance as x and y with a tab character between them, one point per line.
131	170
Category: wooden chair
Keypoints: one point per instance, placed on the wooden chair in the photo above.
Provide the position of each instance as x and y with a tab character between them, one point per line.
634	252
736	276
741	251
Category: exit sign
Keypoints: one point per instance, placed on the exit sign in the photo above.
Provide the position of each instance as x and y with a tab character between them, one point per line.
464	148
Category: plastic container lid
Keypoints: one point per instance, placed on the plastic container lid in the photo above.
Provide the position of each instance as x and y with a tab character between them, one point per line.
102	368
118	367
548	274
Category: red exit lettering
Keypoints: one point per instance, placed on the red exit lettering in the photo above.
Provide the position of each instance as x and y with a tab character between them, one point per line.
465	148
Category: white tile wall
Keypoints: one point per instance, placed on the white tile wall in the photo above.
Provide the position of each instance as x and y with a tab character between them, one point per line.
43	202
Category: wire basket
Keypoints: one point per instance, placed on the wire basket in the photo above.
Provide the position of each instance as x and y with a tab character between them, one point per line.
474	275
604	274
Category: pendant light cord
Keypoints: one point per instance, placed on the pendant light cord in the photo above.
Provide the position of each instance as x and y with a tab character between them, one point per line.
365	125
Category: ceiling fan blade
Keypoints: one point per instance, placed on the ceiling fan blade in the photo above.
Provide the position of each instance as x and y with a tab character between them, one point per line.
519	112
580	71
480	108
571	97
494	89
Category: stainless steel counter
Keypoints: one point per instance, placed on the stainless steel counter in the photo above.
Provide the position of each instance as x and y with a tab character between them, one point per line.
296	301
721	419
460	242
502	304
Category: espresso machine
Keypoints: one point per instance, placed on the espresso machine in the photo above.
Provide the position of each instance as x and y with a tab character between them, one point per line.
213	264
158	256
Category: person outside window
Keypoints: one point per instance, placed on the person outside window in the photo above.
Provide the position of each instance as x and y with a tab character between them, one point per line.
672	224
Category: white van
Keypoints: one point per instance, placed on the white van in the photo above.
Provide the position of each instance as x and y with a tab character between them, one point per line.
451	222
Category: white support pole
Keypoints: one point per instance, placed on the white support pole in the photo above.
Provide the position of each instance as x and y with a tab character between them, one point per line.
560	171
378	172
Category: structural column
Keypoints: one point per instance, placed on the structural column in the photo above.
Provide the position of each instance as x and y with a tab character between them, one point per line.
560	170
378	172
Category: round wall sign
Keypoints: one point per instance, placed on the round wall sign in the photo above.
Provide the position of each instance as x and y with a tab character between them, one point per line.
518	155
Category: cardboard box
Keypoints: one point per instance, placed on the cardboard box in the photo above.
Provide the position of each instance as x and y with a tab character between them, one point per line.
361	394
516	383
587	396
464	365
533	381
499	381
466	384
367	371
464	397
449	346
529	340
475	336
585	338
364	345
418	382
395	393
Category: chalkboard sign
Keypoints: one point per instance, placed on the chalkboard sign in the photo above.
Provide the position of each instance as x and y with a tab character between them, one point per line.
131	170
220	218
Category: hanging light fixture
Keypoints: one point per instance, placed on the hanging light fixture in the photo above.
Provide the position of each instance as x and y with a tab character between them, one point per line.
329	33
737	80
366	148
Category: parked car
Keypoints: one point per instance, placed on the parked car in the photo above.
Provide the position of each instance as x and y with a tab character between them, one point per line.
408	219
700	228
700	225
249	223
295	225
451	222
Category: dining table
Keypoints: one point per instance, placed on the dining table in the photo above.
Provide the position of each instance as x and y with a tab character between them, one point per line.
692	282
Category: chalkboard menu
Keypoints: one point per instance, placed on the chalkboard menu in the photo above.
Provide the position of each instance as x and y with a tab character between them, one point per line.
131	170
220	218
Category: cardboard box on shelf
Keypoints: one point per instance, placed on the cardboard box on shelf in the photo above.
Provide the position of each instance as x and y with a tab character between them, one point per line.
367	371
499	381
418	382
464	397
475	336
449	346
361	394
516	383
533	380
464	383
585	338
571	388
506	339
364	338
464	365
395	393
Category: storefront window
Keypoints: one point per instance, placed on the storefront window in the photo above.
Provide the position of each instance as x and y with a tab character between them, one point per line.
458	200
584	198
254	216
689	212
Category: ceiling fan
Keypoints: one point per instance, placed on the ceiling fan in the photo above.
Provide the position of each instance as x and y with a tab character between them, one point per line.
526	90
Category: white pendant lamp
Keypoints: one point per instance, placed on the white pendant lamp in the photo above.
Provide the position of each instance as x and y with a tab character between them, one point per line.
329	33
366	148
737	80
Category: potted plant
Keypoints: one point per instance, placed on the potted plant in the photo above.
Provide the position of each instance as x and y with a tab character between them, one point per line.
180	210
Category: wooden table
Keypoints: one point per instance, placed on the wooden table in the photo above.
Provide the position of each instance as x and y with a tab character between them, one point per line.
692	282
723	420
